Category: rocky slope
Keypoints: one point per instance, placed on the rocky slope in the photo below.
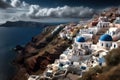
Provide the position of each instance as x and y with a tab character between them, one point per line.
37	54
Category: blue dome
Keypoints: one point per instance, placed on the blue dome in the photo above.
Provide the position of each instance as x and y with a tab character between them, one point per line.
106	37
80	39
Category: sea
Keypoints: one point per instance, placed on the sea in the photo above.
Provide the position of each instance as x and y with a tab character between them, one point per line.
9	38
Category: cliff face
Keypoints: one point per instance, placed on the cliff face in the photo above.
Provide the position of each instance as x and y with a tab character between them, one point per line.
26	24
41	51
22	24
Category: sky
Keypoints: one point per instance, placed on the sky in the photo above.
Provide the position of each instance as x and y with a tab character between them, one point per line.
51	10
88	3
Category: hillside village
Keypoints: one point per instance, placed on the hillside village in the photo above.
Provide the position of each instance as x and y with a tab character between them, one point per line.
90	44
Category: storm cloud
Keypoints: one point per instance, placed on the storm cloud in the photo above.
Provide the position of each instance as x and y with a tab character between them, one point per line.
4	4
20	10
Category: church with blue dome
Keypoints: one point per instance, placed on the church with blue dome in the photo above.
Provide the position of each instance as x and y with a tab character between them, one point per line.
106	37
81	42
80	39
105	41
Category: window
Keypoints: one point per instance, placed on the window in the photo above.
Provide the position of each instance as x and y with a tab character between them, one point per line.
62	57
113	33
61	64
79	53
114	46
72	63
107	45
102	44
81	45
68	63
103	26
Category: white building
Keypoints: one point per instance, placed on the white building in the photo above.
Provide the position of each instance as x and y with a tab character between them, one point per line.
34	77
81	42
115	45
63	35
103	25
103	18
112	31
105	41
92	30
117	21
87	36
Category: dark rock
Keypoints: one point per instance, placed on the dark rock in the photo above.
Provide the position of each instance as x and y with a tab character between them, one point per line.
41	45
18	48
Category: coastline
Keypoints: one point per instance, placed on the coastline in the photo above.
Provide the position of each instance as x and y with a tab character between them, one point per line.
41	49
10	36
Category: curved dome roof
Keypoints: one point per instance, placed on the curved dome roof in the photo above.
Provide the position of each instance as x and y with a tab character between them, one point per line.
106	37
80	39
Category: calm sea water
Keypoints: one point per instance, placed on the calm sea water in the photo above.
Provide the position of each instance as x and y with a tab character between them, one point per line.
9	38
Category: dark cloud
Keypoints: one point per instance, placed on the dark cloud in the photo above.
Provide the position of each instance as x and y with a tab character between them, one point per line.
24	11
88	3
4	4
